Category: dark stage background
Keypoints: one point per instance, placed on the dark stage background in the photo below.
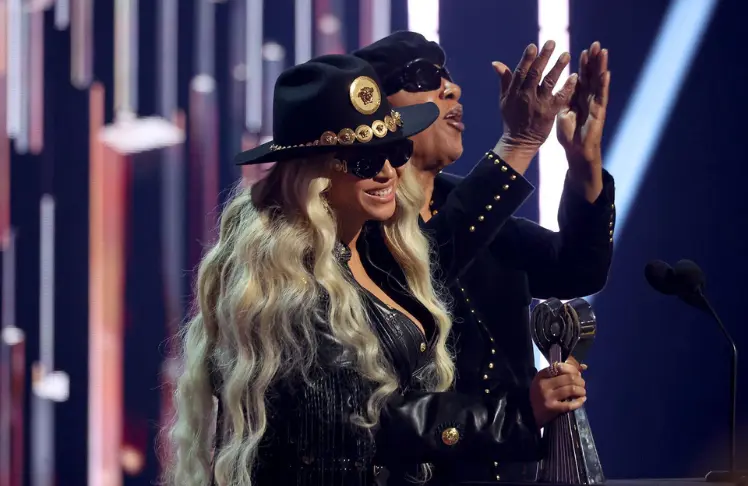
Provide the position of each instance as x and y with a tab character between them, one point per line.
658	376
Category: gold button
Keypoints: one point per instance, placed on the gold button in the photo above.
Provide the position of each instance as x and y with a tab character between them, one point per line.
488	207
431	203
472	311
496	162
611	240
496	197
610	224
479	321
498	478
504	168
490	366
435	212
472	228
481	218
467	300
495	464
485	377
493	351
490	155
491	339
450	436
513	177
612	206
423	347
505	187
461	288
611	232
487	391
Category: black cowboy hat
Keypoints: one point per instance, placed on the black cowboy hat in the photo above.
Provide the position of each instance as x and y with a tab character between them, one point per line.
331	103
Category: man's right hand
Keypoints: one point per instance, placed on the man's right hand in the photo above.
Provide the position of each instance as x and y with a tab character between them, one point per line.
553	394
529	107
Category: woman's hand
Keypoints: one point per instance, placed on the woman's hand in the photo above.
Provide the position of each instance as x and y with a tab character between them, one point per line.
557	389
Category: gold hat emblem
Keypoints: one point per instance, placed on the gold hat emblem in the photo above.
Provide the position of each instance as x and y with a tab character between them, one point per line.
365	95
450	436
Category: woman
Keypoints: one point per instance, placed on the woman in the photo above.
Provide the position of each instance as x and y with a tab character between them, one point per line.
317	311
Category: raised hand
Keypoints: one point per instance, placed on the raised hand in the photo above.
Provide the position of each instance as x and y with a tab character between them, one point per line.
580	123
528	106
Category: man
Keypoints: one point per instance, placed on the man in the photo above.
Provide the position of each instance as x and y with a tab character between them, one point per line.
492	297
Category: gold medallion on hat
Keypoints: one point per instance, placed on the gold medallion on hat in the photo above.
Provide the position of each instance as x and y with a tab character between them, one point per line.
364	133
365	95
328	138
379	129
389	122
346	136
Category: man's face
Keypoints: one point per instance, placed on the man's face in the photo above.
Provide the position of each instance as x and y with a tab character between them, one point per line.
441	143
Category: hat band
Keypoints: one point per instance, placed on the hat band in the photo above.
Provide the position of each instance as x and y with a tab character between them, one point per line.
347	136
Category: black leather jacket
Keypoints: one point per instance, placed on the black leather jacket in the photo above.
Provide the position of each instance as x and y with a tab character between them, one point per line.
310	439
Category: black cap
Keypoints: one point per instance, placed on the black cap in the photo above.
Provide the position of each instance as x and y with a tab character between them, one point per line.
390	54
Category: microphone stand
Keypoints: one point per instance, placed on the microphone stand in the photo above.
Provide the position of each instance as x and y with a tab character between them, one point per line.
731	475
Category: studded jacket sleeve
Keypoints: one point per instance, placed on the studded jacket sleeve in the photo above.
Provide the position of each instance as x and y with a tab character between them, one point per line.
441	428
473	214
572	262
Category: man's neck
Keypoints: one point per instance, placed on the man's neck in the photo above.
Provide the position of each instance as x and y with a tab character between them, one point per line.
426	178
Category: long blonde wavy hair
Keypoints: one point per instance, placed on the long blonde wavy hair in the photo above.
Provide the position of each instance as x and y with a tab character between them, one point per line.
257	308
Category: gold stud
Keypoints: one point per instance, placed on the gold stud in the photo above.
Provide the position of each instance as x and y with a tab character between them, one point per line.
493	351
472	228
513	177
346	136
379	129
364	133
505	187
435	212
496	162
610	224
491	339
488	207
467	300
611	240
481	218
328	138
612	206
490	366
423	347
461	288
495	464
496	197
485	377
610	232
450	436
490	155
487	391
389	122
472	311
498	478
504	168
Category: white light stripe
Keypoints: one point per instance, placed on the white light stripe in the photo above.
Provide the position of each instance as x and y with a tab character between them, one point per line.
303	18
62	14
253	100
653	99
47	284
13	97
423	17
553	23
168	59
381	19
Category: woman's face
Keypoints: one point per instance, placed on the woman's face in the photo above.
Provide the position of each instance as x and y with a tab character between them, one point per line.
357	200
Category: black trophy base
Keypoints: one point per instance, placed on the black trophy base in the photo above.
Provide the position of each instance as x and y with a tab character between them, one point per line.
735	477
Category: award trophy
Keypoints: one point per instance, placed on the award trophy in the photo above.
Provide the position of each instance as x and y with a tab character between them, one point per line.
560	330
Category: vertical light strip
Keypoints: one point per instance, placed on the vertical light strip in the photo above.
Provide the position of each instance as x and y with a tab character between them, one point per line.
125	57
106	282
36	70
374	20
253	52
653	99
168	31
42	407
553	23
81	44
4	141
303	18
14	14
423	17
328	22
62	14
206	26
7	324
22	137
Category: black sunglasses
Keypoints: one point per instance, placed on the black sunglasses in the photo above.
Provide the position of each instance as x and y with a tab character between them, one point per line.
367	164
417	76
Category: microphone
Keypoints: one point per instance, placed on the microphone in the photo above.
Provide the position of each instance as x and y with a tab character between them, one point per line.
686	281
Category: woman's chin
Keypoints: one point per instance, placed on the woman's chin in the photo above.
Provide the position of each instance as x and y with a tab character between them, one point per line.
381	212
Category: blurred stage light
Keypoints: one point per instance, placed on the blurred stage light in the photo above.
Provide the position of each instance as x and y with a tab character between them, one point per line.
253	51
423	17
553	24
303	15
653	99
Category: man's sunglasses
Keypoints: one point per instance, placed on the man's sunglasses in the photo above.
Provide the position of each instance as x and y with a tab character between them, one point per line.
367	164
417	76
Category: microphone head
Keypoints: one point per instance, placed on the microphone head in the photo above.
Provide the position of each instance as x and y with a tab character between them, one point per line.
690	277
661	277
